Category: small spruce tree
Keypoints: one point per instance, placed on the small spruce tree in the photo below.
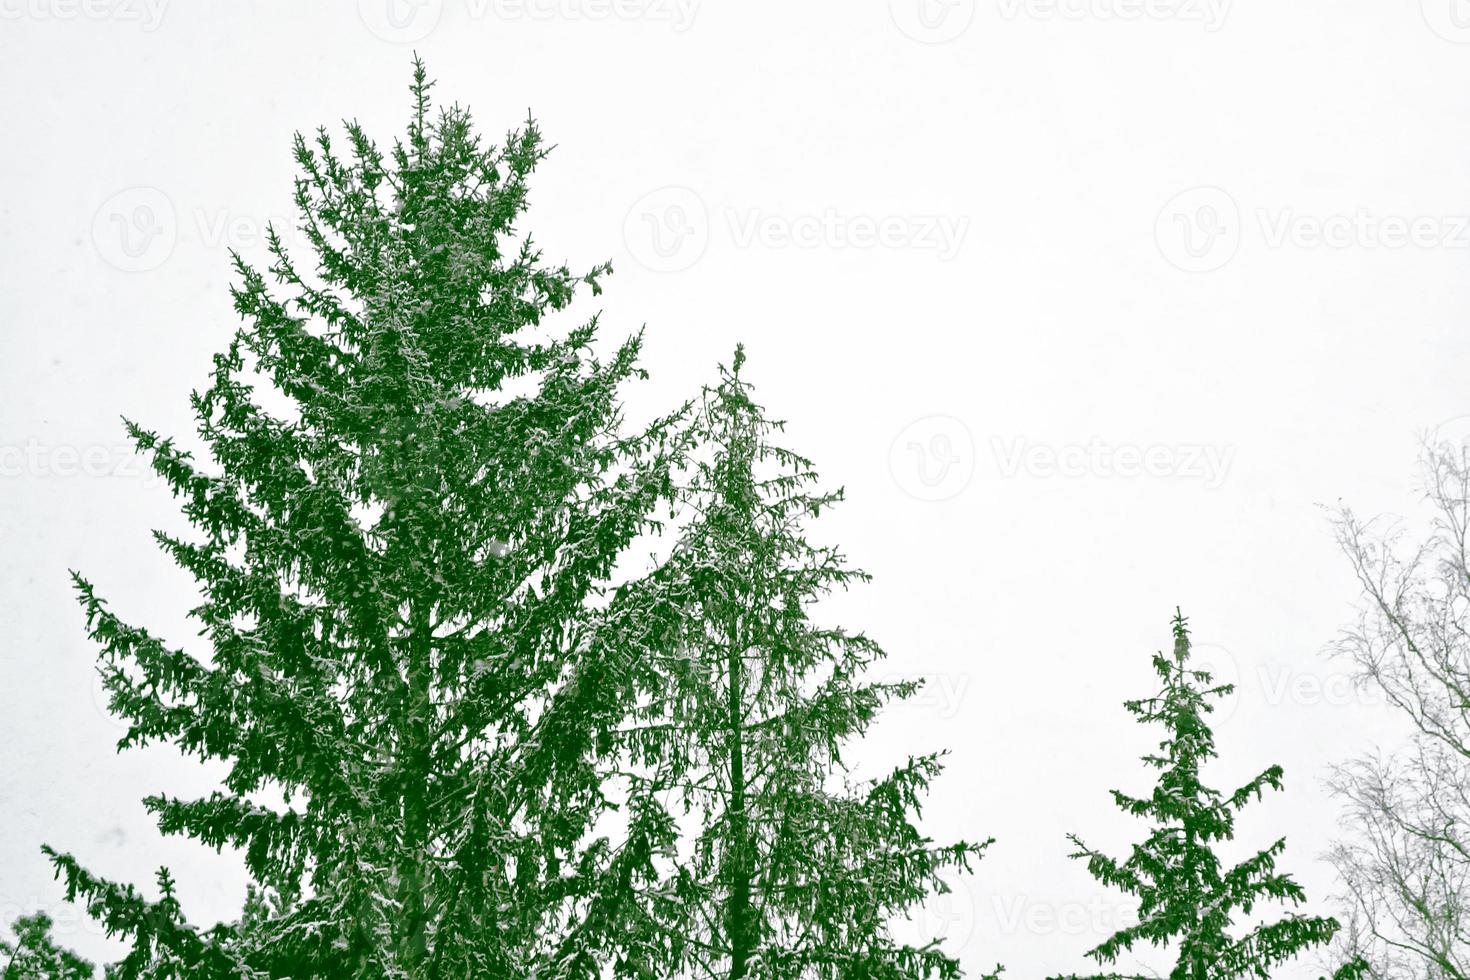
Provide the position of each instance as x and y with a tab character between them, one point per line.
401	571
1187	899
777	865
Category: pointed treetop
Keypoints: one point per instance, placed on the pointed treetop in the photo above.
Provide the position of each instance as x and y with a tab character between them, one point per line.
421	86
1181	636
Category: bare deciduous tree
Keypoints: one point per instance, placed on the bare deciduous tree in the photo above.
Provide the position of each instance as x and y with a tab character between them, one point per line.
1406	859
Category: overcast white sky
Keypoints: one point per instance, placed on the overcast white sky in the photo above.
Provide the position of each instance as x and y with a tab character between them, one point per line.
1088	304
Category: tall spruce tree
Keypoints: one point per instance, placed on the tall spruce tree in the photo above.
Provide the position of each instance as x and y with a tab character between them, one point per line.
1187	899
774	863
402	573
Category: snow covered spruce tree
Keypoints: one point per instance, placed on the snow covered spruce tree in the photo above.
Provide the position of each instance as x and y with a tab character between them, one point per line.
1187	900
36	956
401	573
775	864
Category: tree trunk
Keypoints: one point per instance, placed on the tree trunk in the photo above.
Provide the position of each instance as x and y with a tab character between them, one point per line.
417	761
738	912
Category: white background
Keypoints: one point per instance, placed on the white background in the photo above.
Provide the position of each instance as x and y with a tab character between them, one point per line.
1090	300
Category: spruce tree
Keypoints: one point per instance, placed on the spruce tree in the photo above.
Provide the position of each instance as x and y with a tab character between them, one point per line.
36	956
775	863
1187	899
403	565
